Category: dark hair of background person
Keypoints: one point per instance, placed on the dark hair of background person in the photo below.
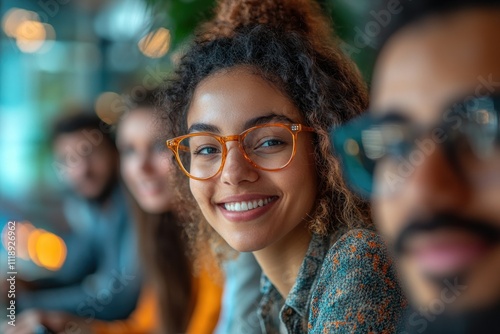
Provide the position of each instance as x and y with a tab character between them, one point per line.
413	11
79	120
290	44
163	249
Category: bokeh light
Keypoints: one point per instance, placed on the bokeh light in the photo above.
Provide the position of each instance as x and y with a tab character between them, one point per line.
109	106
13	18
32	249
156	43
50	250
46	249
23	231
30	36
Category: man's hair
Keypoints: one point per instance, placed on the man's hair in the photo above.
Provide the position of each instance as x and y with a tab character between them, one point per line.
415	10
78	121
148	100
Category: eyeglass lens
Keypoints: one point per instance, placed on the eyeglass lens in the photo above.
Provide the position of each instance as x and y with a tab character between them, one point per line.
390	149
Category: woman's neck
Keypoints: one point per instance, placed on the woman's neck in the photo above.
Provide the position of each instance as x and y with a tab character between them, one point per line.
282	260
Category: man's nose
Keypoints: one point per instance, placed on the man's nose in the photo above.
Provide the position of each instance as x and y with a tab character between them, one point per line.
437	184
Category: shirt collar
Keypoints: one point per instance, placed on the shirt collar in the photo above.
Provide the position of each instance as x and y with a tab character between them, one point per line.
299	296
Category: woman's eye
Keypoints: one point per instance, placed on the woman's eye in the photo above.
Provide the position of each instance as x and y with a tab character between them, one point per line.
267	145
207	150
271	142
126	151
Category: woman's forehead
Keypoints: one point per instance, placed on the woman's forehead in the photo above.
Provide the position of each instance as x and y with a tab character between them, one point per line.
235	96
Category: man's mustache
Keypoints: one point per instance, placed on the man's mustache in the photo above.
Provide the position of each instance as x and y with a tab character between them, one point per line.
483	229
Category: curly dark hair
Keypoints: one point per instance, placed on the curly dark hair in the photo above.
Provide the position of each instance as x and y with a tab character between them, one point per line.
323	84
301	16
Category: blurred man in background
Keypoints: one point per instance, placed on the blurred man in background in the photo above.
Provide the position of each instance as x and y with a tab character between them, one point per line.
428	154
99	278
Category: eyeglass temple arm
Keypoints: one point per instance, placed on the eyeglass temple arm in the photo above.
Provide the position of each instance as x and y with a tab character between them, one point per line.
300	127
171	144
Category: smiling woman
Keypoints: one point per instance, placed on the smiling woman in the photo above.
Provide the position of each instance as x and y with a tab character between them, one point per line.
187	301
251	106
146	165
222	103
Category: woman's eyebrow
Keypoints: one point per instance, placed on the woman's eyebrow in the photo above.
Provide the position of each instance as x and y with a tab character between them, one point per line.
271	118
203	127
266	119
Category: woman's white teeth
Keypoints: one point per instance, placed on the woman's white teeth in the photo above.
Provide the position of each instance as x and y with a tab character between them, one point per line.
245	206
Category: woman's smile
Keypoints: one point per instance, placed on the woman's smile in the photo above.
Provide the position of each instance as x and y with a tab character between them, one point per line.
248	205
243	208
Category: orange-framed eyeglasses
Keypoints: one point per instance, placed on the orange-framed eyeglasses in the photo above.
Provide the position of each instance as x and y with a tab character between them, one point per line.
269	147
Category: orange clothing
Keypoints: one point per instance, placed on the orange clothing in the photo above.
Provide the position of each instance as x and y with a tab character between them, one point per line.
141	321
207	295
208	302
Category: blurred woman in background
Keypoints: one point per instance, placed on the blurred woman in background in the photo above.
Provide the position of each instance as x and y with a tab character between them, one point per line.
177	297
189	301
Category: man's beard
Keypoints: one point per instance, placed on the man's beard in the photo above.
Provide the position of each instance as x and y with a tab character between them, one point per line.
478	321
473	321
487	231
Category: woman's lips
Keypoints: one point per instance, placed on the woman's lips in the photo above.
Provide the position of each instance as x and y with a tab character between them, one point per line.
246	209
150	188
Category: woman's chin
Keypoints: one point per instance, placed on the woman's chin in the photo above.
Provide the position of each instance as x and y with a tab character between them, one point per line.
154	206
245	245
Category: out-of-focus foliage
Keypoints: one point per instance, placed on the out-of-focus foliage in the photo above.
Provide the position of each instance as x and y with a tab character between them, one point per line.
182	17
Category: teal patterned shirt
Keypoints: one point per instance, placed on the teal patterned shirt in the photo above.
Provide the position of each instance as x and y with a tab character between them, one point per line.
345	284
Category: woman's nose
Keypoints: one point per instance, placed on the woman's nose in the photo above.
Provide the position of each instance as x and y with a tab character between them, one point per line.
236	168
